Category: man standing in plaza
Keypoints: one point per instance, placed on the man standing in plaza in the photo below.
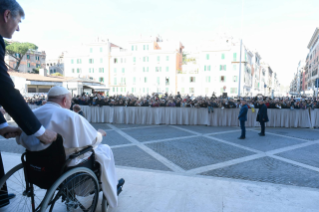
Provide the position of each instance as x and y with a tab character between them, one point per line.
10	98
242	117
262	116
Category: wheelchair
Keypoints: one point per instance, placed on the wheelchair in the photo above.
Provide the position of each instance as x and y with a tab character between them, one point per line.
44	182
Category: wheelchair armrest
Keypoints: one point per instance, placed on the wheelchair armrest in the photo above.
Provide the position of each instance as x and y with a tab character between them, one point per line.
83	151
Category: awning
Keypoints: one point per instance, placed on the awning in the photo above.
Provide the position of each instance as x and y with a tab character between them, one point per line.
98	88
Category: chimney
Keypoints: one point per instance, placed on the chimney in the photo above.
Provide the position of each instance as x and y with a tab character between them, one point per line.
43	72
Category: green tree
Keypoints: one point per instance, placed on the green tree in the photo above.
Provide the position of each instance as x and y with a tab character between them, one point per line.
17	51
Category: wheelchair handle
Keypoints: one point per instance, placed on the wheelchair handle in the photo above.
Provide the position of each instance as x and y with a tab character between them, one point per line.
83	151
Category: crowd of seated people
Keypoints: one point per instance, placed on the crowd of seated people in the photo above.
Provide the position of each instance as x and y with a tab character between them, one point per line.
36	99
165	100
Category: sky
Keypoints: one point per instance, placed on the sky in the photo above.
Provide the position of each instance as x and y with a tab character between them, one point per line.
279	30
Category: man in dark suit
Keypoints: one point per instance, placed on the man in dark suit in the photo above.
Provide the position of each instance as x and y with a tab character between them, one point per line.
262	116
10	98
242	117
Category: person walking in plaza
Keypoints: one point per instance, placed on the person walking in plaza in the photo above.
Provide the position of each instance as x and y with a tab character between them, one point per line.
262	116
11	100
242	117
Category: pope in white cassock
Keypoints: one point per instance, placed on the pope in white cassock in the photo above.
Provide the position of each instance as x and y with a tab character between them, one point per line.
77	134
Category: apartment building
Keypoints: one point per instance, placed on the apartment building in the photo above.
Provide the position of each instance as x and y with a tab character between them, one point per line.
30	61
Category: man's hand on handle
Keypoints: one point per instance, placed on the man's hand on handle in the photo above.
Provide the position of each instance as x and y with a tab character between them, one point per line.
48	137
10	132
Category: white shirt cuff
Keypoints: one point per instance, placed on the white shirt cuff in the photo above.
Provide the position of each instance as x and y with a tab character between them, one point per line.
3	125
39	132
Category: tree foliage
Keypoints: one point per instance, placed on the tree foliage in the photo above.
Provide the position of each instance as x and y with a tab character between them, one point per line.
18	50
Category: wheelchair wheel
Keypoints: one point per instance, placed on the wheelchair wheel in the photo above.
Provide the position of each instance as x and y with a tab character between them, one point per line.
15	182
76	190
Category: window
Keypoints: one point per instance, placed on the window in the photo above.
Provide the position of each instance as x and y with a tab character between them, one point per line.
144	59
143	69
91	50
207	56
101	60
134	80
78	61
115	81
222	78
204	68
121	60
233	90
72	70
234	67
167	58
78	70
29	65
101	70
158	58
114	70
72	61
123	70
234	56
135	48
183	90
157	69
147	69
192	79
167	90
143	47
145	79
134	59
91	61
222	67
223	56
123	80
28	57
208	79
167	69
101	79
147	47
208	68
101	49
166	81
147	59
191	90
158	80
32	90
132	48
235	78
91	70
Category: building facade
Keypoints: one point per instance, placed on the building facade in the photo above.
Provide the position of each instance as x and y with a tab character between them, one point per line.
31	60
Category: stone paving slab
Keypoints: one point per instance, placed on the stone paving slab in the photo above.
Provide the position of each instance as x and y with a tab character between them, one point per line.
308	155
135	157
207	129
254	141
196	152
156	133
102	126
124	126
10	145
270	170
308	134
113	138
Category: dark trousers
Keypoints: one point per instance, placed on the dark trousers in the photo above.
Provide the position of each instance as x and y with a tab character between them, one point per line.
243	129
262	124
3	191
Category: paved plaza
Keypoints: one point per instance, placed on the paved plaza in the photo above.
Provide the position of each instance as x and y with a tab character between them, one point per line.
190	157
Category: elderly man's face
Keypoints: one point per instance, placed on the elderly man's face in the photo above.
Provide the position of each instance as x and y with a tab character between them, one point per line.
10	24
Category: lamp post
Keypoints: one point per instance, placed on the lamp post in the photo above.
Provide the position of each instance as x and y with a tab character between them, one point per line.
241	44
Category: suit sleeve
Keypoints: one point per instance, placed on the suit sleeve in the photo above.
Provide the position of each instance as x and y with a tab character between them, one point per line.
2	120
12	101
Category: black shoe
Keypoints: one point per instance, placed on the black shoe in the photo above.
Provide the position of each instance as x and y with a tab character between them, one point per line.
261	134
241	137
119	190
120	183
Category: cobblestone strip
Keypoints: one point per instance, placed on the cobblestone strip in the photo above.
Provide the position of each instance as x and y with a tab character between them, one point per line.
294	162
284	136
226	163
233	144
289	148
154	154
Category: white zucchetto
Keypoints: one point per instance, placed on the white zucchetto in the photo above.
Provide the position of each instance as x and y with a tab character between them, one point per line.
57	91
